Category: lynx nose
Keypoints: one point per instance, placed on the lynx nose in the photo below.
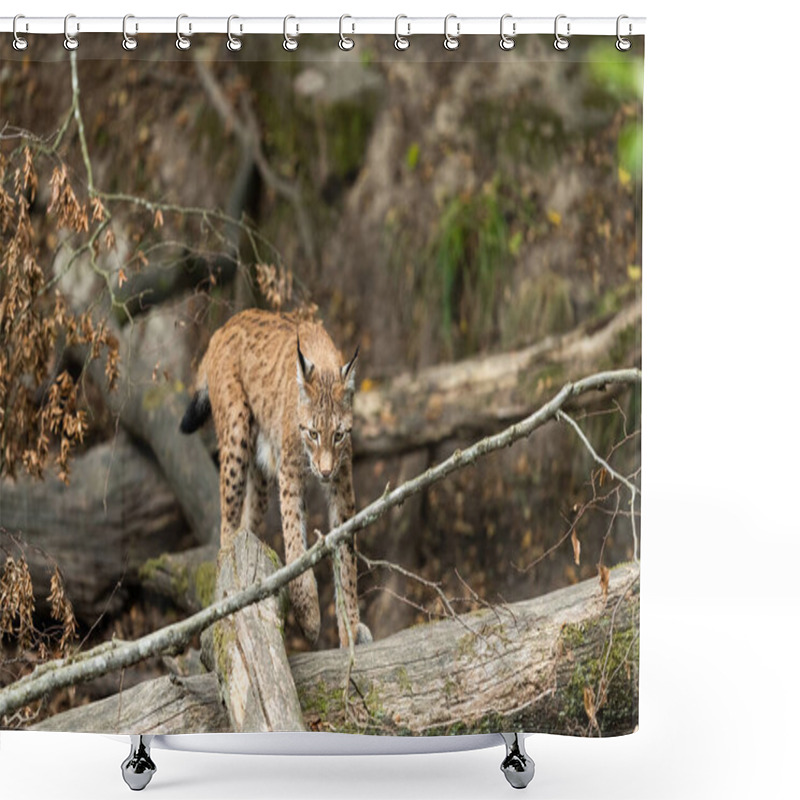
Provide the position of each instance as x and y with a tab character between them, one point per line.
326	466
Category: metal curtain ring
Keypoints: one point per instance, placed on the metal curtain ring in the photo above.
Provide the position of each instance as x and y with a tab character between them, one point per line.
345	42
128	41
289	42
182	42
623	44
507	42
70	42
19	43
401	42
451	42
561	43
234	43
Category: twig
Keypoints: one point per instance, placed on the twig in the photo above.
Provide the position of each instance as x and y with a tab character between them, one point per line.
561	416
113	656
76	110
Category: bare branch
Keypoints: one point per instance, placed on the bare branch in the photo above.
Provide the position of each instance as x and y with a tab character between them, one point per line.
117	655
560	415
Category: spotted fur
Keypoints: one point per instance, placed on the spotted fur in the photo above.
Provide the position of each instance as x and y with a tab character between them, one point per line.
281	397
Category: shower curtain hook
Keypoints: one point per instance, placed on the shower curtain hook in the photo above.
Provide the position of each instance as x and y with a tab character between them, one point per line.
182	42
623	44
561	43
128	42
19	43
451	42
401	42
507	42
234	43
345	42
70	42
289	42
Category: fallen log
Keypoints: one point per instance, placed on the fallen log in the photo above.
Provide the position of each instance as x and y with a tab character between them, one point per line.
164	705
115	514
565	662
187	578
482	394
247	650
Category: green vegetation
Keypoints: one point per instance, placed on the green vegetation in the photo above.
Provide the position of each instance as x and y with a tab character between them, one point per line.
471	261
539	307
612	677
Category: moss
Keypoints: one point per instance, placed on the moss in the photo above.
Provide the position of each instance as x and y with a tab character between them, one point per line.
320	700
572	636
223	638
204	580
327	703
617	661
402	680
152	566
465	647
273	557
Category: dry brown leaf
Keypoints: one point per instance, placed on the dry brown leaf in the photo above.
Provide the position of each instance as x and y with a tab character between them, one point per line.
576	547
588	704
605	576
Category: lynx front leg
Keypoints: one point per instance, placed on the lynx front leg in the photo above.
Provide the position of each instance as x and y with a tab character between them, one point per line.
342	506
302	590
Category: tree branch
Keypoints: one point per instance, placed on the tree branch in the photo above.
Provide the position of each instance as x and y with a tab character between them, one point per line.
115	655
248	135
560	415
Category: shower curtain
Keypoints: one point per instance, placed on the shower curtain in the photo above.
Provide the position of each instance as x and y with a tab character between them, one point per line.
464	225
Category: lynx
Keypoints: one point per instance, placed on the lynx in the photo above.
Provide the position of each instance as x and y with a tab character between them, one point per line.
282	402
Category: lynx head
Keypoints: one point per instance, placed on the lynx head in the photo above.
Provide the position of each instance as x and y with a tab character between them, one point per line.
325	412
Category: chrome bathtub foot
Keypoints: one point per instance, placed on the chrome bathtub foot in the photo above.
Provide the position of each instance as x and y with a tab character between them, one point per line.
138	768
517	766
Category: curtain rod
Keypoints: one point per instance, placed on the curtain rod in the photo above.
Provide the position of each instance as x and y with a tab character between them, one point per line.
404	26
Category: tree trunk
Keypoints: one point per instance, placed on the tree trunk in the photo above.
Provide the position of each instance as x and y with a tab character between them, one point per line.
116	513
566	662
152	411
247	648
538	665
476	395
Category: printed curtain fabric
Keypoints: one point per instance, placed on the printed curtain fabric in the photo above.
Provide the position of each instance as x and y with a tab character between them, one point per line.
374	315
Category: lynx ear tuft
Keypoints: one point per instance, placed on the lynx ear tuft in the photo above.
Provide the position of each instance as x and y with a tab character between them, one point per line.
349	371
305	368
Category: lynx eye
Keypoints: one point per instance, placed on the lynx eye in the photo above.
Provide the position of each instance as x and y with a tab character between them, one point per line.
338	436
313	435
